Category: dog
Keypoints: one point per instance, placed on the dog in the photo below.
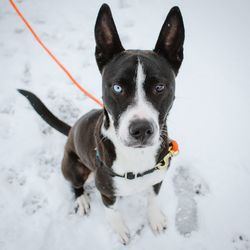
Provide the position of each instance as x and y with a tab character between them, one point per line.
121	143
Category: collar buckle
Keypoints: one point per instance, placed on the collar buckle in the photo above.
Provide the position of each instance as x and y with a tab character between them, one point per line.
130	176
164	162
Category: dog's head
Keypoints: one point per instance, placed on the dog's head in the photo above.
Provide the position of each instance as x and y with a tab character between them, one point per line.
138	85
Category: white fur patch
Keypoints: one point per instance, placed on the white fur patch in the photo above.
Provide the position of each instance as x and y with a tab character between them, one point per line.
140	109
83	204
156	217
90	179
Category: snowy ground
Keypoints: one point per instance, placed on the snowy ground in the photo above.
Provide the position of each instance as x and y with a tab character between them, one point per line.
206	191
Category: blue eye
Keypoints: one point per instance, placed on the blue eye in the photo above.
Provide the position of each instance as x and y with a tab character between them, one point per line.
117	88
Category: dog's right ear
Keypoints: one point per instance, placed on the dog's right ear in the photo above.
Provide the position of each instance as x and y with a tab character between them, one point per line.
107	39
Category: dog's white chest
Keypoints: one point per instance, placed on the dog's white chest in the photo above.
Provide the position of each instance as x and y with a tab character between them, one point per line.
138	162
125	187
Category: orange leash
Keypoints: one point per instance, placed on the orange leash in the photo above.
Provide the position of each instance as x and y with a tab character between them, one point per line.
84	91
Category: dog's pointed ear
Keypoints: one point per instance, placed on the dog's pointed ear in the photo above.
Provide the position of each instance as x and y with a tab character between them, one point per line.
107	39
171	39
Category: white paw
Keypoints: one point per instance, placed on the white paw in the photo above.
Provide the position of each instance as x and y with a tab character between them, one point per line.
83	205
123	233
118	226
157	220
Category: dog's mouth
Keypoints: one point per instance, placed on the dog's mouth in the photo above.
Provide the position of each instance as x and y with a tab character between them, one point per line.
138	144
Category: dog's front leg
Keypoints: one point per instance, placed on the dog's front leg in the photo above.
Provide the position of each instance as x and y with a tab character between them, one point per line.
115	219
156	217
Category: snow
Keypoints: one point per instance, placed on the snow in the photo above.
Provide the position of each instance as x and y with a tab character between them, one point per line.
206	191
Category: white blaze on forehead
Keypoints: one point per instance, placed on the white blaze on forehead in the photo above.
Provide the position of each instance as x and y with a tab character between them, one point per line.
140	79
140	108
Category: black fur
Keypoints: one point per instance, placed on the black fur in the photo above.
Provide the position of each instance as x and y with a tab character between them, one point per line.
171	39
107	39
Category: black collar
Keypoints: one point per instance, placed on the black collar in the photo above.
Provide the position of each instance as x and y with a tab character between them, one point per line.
163	164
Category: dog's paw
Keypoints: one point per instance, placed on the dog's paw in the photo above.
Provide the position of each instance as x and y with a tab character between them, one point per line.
123	233
118	225
83	205
157	220
121	230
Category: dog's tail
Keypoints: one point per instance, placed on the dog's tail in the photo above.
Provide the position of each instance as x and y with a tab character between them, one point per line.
46	115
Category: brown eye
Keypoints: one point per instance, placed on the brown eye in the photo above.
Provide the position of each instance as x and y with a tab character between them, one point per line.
159	88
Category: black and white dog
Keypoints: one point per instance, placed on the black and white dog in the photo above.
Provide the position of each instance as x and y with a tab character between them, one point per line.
121	143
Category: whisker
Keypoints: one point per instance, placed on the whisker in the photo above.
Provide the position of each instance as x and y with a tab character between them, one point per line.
102	140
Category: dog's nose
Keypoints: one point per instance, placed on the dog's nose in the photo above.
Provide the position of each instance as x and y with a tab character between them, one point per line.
141	130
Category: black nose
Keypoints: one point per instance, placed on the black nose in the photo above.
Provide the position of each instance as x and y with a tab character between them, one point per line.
141	130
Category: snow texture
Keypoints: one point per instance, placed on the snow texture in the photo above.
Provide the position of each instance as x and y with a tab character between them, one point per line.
206	191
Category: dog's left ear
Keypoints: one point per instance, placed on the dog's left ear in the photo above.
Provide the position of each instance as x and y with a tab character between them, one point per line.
171	39
107	39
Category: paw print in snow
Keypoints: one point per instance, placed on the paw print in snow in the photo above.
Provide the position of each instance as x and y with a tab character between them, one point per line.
33	203
241	242
187	186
